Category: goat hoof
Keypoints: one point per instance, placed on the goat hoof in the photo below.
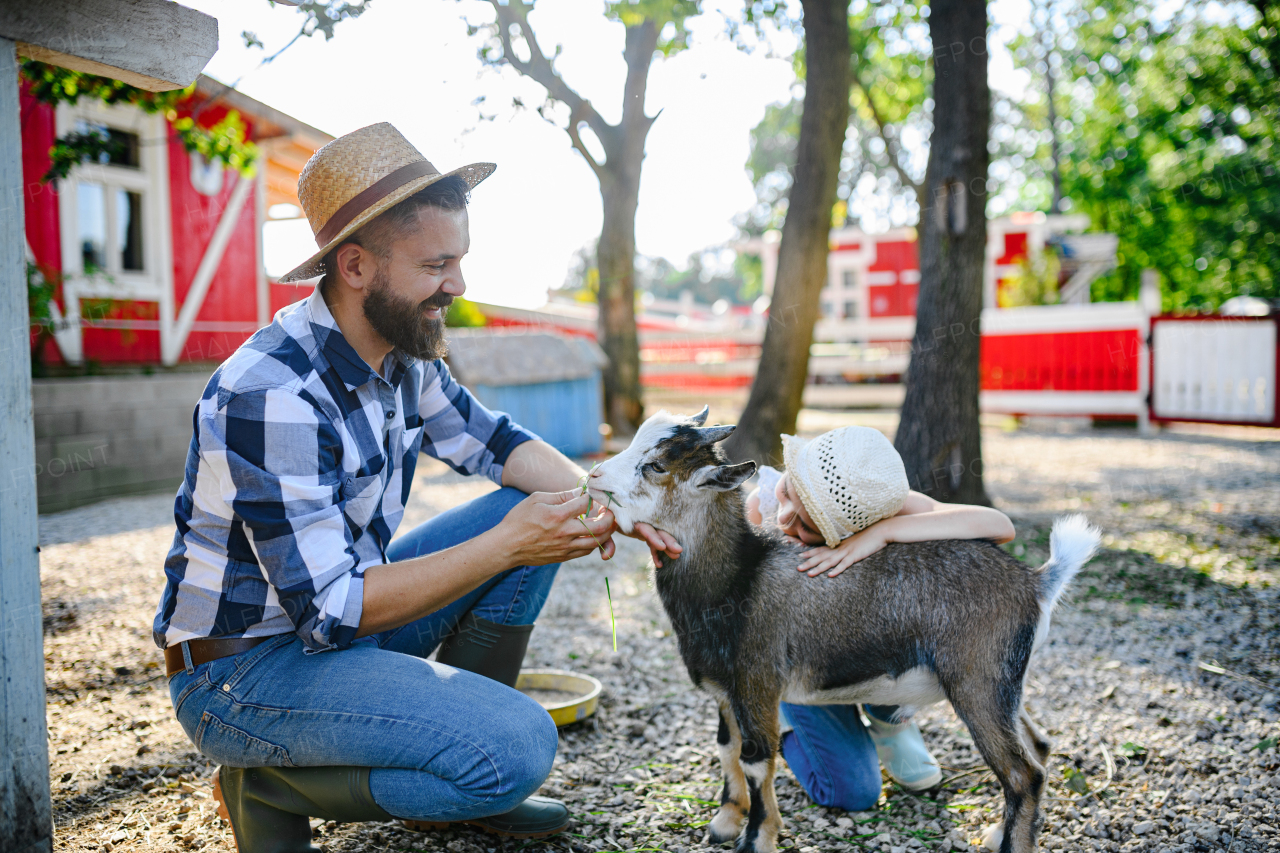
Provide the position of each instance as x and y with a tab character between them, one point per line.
760	845
993	837
724	827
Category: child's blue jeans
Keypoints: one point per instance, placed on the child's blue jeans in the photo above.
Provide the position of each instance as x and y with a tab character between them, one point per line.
444	744
832	756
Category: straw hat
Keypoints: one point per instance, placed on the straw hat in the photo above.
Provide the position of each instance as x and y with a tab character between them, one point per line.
847	479
358	176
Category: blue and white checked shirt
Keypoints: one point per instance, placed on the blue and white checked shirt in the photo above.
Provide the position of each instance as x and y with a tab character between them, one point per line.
297	476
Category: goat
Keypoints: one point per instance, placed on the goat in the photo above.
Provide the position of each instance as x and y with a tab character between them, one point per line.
910	625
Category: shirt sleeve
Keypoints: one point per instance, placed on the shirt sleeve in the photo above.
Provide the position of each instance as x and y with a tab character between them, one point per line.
276	458
768	482
460	431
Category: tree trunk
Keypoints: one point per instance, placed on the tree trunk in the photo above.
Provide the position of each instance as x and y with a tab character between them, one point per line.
802	257
938	435
616	260
619	177
616	253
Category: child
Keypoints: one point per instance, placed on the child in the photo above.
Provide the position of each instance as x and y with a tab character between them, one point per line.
845	494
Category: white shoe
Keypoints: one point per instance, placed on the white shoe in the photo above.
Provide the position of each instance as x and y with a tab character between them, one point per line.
903	754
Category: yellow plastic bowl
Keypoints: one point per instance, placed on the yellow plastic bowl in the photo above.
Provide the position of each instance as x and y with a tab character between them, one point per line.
584	688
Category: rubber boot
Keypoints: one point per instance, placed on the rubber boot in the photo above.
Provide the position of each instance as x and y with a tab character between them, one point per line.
268	807
903	753
486	648
496	651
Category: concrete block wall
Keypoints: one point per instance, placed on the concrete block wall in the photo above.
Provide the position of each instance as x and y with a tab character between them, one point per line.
102	436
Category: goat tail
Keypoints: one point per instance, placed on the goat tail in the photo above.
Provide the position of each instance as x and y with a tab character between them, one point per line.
1072	542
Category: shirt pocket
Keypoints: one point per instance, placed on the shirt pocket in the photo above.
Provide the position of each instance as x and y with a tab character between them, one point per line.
412	441
361	497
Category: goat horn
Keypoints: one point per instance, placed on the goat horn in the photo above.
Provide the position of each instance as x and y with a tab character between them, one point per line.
701	418
712	434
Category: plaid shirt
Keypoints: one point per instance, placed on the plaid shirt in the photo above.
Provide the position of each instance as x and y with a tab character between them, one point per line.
297	476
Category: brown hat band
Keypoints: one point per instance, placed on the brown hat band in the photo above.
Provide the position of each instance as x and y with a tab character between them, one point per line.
370	196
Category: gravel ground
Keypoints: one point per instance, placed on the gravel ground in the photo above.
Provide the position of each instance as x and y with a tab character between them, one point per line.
1158	686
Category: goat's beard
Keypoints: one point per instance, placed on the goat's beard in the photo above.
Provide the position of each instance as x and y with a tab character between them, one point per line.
405	324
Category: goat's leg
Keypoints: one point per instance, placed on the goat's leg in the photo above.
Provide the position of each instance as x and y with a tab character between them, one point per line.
758	722
997	727
734	798
1037	741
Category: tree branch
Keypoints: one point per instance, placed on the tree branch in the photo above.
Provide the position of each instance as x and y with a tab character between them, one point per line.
890	144
642	41
575	119
539	69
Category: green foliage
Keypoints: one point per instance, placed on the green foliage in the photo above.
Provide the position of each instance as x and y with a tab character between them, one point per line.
1035	282
1171	131
75	148
52	84
773	155
41	286
463	313
1075	781
704	277
882	166
668	16
1129	749
323	17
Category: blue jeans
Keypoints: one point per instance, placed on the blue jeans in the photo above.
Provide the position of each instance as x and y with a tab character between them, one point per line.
832	756
444	744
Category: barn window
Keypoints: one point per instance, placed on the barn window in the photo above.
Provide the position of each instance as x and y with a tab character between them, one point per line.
129	229
91	215
113	218
121	146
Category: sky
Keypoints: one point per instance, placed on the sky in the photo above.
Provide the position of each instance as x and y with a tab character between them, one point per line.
413	64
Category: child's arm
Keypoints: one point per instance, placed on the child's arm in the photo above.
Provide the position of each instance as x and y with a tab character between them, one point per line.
921	519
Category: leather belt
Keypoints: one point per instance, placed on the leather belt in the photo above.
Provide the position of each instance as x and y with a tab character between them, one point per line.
203	651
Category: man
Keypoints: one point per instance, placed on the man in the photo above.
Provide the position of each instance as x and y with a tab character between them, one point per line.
295	630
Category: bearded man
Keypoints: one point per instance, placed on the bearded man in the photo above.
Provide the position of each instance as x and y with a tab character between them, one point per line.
295	628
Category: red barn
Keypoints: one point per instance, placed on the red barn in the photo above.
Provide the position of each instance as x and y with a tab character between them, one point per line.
156	254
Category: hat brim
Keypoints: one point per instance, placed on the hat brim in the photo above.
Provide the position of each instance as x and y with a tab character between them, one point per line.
313	267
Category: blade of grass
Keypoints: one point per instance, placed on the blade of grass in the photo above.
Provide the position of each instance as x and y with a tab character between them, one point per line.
583	522
612	620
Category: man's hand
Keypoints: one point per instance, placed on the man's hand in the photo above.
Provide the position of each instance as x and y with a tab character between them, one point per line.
660	542
545	528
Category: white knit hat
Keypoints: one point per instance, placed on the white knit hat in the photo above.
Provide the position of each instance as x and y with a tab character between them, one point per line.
848	479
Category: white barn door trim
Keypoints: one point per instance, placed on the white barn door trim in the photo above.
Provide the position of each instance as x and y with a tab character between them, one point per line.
171	348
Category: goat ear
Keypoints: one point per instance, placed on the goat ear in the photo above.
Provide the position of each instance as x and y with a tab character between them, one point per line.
725	477
713	434
700	418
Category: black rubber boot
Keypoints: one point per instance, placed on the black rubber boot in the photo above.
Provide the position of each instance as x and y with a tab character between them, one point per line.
486	648
536	817
268	807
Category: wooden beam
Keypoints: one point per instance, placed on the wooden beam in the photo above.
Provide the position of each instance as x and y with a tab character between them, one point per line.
26	822
155	45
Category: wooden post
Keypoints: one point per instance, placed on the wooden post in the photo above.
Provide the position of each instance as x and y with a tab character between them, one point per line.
26	823
157	45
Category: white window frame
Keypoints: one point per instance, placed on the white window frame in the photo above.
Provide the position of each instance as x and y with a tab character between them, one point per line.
154	283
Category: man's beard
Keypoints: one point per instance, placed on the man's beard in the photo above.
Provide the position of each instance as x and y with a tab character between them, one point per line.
404	323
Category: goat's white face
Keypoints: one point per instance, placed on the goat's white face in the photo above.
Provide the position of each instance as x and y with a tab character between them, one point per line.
669	461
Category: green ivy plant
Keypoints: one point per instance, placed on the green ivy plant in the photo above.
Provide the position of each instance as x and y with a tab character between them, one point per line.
53	85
